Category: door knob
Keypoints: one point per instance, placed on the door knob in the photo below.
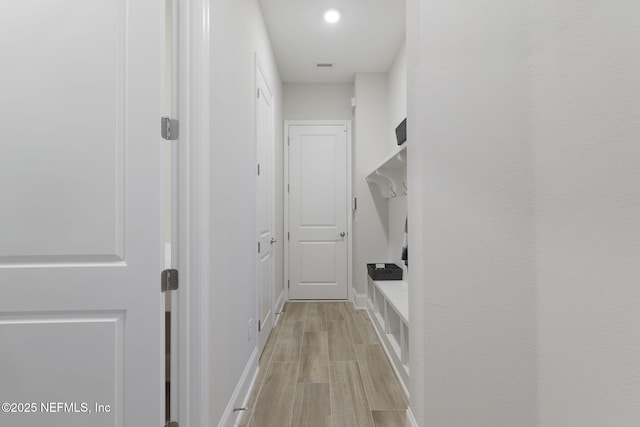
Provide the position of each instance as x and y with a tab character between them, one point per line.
342	234
273	240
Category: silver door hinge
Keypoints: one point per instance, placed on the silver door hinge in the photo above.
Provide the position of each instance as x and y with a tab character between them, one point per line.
258	94
288	236
288	188
171	424
169	280
288	141
288	284
169	128
258	247
258	168
259	325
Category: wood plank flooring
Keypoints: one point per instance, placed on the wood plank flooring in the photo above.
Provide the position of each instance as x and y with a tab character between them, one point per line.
323	366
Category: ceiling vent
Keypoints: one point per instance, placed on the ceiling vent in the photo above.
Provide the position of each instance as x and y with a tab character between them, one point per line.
324	65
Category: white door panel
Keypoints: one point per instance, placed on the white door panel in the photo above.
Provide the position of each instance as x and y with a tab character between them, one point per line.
264	147
81	250
318	209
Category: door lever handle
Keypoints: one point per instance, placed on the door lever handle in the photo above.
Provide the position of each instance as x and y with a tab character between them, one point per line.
273	240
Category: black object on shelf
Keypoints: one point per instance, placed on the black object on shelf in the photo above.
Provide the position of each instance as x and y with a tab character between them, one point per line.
401	132
389	272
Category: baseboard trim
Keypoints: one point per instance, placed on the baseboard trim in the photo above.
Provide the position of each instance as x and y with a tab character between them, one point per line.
279	305
359	300
242	392
411	420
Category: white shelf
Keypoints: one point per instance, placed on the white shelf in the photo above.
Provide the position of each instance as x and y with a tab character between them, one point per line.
396	292
391	175
388	303
395	345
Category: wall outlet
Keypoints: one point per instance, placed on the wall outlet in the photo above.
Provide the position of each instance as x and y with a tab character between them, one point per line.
250	330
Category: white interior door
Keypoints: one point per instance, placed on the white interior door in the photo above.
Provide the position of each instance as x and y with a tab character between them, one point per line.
266	238
318	209
81	250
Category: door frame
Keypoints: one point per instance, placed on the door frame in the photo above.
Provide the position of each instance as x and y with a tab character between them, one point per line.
259	71
194	58
349	201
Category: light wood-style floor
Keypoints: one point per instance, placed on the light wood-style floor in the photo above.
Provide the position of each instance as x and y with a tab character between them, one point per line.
323	366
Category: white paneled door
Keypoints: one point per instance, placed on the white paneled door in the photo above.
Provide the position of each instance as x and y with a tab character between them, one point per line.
265	196
81	250
318	210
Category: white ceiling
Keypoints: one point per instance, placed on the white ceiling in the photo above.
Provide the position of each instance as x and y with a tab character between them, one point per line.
366	39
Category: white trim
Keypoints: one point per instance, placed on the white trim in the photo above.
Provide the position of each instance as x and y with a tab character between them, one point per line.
349	210
359	300
259	73
346	123
172	248
411	420
193	196
285	181
391	358
242	392
278	306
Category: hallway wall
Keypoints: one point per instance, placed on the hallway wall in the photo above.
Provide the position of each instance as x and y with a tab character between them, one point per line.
237	31
397	90
472	299
586	125
317	101
397	111
529	182
370	146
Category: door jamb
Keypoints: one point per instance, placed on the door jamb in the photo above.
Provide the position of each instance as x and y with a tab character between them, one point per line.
259	69
193	212
349	200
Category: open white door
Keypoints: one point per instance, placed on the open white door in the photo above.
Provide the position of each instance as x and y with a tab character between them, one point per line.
266	238
319	250
81	251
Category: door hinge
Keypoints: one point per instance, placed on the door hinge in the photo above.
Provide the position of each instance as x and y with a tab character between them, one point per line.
258	93
259	325
288	284
355	203
169	128
258	247
288	141
288	236
171	424
169	280
258	168
288	188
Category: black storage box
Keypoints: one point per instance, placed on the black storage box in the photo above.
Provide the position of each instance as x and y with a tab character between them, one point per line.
389	272
401	132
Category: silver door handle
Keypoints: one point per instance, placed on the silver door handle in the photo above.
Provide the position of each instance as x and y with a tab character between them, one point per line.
342	234
273	240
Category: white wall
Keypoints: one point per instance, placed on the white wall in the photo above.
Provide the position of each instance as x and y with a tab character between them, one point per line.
237	31
472	299
586	122
370	146
397	89
529	247
397	111
318	101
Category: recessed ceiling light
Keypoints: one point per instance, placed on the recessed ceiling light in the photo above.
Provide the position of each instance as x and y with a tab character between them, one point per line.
332	16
